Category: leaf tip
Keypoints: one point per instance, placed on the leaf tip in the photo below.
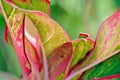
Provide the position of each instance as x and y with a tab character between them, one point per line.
48	1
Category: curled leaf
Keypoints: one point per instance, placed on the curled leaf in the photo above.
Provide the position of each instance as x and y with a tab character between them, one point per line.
34	49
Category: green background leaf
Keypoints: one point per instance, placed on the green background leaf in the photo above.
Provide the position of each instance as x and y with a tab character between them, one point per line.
8	59
6	76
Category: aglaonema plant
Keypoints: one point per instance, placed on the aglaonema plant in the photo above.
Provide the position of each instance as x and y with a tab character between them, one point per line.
45	51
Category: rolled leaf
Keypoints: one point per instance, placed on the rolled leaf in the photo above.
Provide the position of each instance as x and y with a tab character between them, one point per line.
31	44
34	50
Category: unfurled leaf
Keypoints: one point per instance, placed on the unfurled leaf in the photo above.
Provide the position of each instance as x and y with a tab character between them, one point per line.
6	76
107	68
35	5
107	44
59	61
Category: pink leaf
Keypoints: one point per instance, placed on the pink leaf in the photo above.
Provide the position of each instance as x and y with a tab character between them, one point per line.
59	61
34	48
106	45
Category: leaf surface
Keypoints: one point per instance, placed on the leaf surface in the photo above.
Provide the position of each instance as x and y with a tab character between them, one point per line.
35	5
116	76
59	60
80	49
107	68
51	33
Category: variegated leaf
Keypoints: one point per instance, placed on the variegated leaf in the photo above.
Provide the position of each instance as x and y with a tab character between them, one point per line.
107	44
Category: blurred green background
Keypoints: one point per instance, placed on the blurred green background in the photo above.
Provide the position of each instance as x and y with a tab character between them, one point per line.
74	15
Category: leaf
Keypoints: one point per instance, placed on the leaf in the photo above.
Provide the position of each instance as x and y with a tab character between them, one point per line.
15	25
8	37
44	35
107	44
81	48
51	33
35	5
59	60
107	68
34	50
109	77
8	62
30	44
6	76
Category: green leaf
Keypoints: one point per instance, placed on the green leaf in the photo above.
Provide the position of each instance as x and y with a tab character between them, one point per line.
107	44
2	22
6	76
80	49
106	68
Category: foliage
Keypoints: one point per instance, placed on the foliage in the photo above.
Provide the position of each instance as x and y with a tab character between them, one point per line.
45	51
